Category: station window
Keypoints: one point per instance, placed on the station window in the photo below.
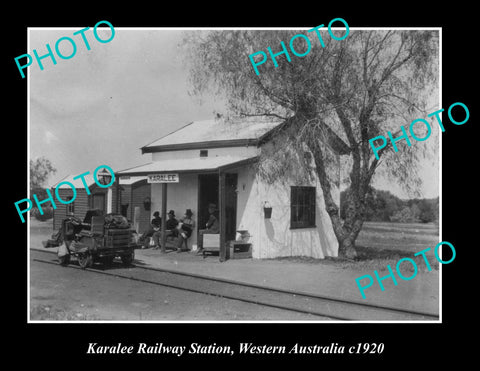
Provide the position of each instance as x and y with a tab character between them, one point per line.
70	207
204	153
302	207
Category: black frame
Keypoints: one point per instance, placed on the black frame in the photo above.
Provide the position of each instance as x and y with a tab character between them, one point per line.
302	207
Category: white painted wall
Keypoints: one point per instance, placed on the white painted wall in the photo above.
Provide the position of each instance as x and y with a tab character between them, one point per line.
273	237
270	237
212	152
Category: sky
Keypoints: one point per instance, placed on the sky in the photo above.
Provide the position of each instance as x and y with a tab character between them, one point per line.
102	105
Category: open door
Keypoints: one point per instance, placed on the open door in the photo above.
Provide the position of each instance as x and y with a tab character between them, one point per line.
99	201
207	193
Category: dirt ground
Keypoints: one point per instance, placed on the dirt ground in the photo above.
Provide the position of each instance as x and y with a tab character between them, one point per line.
379	244
64	294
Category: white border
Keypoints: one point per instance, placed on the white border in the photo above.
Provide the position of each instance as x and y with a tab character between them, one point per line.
439	29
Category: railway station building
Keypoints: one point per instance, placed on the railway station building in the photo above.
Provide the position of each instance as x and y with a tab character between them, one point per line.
213	161
130	197
96	198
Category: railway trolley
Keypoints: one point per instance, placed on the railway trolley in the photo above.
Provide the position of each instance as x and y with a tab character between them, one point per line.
99	238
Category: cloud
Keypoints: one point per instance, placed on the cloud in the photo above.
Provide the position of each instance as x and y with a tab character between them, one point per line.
50	137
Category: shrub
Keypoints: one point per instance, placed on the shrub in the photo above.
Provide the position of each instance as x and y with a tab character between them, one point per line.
406	215
47	213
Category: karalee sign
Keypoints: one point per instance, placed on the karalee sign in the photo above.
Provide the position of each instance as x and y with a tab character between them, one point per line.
163	178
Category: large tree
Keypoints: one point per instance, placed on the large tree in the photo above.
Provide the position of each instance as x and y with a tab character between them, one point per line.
40	169
360	87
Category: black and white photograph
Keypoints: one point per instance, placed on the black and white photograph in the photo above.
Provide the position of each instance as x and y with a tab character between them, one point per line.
259	188
234	175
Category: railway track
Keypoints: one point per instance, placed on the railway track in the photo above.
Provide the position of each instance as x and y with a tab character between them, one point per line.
314	305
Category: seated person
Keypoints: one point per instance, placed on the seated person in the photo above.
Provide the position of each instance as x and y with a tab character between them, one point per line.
170	229
186	226
212	226
155	226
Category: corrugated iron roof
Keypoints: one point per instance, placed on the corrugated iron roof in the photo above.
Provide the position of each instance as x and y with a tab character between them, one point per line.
76	182
217	131
128	180
187	165
90	181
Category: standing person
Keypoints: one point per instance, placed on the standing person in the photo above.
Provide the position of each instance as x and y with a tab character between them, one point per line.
186	226
155	226
212	227
170	229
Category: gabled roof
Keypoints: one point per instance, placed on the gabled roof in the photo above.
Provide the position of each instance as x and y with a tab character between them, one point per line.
78	183
214	133
329	136
219	132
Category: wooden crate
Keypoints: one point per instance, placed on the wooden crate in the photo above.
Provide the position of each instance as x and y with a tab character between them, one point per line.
240	250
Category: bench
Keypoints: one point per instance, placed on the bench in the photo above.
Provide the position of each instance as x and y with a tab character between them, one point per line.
170	242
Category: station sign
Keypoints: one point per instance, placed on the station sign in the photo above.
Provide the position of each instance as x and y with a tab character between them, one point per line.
163	178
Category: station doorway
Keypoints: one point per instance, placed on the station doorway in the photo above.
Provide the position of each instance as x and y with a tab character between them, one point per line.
98	201
208	192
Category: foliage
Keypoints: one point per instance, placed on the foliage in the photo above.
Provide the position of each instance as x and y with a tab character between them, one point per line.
46	208
40	170
383	206
428	211
47	213
363	86
405	215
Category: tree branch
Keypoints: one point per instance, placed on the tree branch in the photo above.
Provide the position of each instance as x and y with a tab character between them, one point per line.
269	114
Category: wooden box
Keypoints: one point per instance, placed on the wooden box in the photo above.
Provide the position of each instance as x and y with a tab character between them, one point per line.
211	242
240	250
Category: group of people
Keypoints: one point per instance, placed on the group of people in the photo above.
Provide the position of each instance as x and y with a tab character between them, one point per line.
181	230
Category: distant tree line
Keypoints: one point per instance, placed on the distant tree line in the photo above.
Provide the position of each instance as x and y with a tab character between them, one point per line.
386	207
40	169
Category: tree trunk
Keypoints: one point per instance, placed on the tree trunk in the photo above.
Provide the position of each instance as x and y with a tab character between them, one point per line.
346	248
346	231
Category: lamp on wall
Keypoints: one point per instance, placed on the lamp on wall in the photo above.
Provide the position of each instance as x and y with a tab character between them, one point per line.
104	177
267	210
147	202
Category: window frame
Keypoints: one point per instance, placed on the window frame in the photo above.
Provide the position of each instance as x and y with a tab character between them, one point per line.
303	200
71	206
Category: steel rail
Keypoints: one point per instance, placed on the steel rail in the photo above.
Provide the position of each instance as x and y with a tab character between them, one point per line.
258	287
292	292
257	302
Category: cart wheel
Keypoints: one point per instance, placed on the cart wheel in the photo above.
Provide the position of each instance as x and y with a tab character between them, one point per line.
107	260
128	259
84	260
64	260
